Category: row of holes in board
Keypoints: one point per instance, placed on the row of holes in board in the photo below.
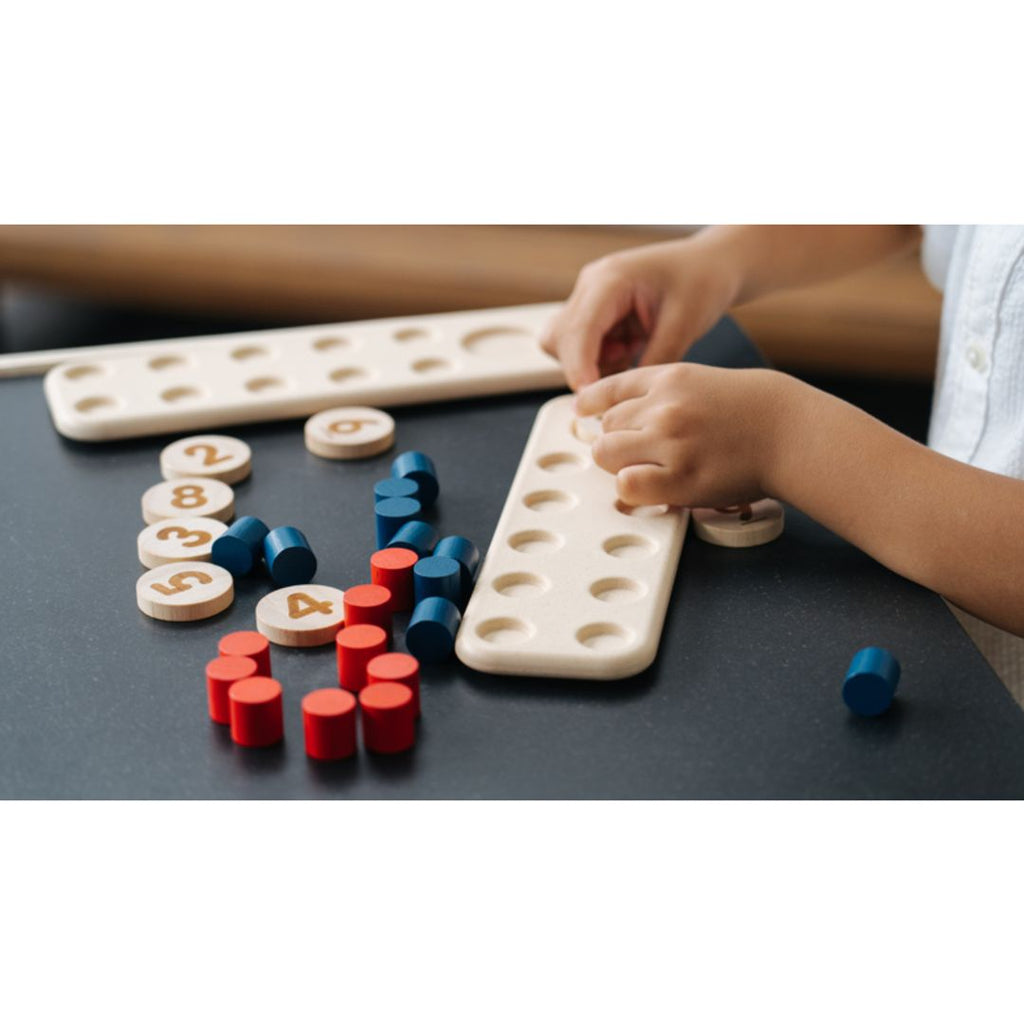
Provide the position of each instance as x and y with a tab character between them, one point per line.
491	341
564	501
507	631
184	393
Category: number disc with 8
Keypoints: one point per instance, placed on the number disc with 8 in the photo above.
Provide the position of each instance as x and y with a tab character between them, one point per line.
188	496
306	615
355	432
184	591
213	456
179	540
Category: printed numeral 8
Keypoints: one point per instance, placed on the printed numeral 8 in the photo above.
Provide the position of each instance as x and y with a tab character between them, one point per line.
188	496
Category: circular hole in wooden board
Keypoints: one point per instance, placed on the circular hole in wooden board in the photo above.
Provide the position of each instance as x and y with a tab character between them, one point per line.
629	545
332	343
180	393
168	362
245	352
521	584
618	590
505	631
258	385
550	501
347	374
408	334
432	365
83	370
497	342
95	403
561	462
603	636
533	542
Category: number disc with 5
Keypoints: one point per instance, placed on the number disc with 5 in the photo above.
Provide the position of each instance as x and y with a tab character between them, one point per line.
213	456
179	540
307	615
184	591
188	496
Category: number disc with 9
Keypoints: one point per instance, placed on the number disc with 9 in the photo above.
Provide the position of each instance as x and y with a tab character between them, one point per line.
213	456
353	432
184	591
306	615
179	540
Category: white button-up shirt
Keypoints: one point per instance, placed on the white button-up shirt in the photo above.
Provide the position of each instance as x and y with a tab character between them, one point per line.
978	409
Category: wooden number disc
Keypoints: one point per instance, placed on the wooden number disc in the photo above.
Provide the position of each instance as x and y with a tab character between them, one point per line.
184	591
352	433
212	456
306	615
179	540
188	496
733	528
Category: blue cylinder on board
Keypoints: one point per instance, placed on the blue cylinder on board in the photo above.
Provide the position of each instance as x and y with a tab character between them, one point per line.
430	635
289	557
391	515
871	681
420	468
240	548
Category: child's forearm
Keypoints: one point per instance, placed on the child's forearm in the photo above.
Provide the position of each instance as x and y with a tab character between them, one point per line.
949	526
766	258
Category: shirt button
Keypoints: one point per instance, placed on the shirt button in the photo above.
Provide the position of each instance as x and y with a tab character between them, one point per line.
976	357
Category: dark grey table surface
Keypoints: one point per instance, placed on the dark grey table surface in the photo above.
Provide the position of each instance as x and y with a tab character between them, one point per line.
96	700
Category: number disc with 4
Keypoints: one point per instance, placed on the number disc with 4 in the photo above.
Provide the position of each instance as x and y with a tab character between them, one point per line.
306	615
188	496
184	591
213	456
179	540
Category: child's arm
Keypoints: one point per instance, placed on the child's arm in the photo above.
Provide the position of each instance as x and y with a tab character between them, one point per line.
658	299
702	436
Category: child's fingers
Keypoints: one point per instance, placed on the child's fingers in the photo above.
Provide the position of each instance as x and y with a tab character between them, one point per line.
594	399
613	452
627	415
590	317
668	338
644	485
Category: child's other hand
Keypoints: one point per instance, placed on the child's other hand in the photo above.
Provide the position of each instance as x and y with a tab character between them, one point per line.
655	300
690	435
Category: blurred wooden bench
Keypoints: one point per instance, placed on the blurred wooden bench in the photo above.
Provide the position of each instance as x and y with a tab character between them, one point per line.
882	321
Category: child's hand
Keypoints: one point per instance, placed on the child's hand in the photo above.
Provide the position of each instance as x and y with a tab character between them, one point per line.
690	435
656	300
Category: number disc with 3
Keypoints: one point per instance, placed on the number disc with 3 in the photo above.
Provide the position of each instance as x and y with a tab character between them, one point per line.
179	540
306	615
184	591
355	432
188	496
213	456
